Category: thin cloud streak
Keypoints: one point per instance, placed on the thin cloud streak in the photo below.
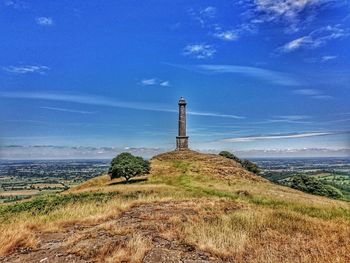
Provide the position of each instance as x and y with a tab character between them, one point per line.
313	93
271	76
102	101
280	136
26	69
210	114
67	110
316	38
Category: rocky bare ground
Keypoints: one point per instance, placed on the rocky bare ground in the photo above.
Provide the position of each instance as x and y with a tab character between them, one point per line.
95	243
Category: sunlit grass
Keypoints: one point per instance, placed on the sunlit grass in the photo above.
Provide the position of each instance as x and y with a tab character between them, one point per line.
263	214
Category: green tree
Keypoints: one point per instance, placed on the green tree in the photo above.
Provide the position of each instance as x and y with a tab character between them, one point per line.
126	165
230	155
312	185
248	165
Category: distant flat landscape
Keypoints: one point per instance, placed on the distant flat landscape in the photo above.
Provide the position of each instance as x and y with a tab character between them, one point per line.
20	179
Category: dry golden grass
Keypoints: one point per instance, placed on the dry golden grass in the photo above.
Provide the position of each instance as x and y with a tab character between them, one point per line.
270	236
22	229
201	200
14	237
133	251
126	245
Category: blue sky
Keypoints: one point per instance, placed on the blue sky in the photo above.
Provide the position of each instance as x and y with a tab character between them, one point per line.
258	75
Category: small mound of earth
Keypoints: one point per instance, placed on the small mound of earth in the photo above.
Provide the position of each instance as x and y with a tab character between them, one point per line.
210	164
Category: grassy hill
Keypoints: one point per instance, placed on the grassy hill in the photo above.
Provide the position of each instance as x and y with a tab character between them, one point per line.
192	207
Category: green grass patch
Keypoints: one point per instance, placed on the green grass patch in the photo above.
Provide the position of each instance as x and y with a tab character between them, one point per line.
45	204
327	213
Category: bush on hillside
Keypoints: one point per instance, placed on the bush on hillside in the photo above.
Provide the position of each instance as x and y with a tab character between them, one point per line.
312	185
248	165
126	165
229	155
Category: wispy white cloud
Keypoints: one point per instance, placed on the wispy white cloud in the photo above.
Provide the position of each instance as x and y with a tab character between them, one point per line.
292	13
313	93
294	152
15	4
315	39
67	152
210	114
81	99
228	35
200	51
44	21
308	92
155	82
106	102
322	59
294	119
271	76
164	83
234	33
278	136
81	152
203	15
328	58
67	110
26	69
149	82
209	11
289	10
297	43
323	97
207	17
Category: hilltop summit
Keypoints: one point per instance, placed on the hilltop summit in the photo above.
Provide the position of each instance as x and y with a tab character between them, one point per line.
210	164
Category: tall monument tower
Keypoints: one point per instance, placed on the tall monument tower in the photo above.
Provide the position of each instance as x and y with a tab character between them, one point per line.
182	139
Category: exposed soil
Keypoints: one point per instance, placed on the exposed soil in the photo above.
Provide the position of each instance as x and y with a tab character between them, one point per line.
94	243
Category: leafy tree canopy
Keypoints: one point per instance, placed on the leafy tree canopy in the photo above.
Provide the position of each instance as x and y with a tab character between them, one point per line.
230	155
127	165
312	185
248	165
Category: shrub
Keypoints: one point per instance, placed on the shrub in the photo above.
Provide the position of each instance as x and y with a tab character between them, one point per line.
230	156
311	185
126	165
248	165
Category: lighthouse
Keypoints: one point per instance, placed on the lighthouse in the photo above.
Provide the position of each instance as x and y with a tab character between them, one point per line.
182	139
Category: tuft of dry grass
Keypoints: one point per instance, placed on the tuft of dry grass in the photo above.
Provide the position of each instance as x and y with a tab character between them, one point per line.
13	238
126	245
270	236
133	251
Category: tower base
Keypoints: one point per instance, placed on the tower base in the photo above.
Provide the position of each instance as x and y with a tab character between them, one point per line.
181	143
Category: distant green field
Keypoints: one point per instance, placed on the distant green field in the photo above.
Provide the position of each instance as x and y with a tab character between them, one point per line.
341	181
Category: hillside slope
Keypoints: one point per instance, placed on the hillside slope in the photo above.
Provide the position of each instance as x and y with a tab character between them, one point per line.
192	207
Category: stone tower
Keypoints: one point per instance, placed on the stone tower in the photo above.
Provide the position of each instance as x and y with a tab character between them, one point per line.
182	139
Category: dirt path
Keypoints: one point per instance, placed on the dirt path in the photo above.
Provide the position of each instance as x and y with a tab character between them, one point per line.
96	243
